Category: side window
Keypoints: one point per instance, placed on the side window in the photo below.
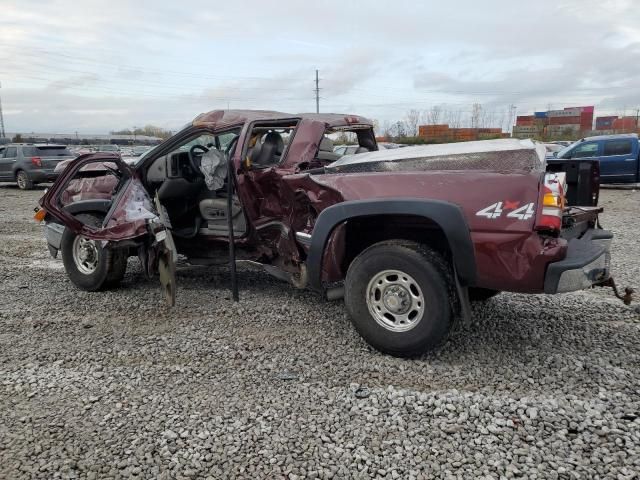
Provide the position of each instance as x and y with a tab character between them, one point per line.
584	150
11	152
617	147
267	144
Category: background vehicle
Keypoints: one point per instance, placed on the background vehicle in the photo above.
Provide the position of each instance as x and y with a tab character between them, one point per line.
107	148
140	150
552	148
347	149
407	236
30	164
618	156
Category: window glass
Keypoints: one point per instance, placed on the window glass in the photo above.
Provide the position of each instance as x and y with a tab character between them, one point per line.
11	152
617	147
587	149
52	151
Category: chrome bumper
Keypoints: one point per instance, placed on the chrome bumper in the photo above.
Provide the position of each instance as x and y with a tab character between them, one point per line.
587	263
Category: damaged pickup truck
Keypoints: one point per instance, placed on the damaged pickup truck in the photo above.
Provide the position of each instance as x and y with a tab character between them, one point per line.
408	237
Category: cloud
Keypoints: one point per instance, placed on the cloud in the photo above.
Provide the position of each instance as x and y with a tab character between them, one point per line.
96	66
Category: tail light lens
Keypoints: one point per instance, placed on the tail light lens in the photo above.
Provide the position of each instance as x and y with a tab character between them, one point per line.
37	161
552	202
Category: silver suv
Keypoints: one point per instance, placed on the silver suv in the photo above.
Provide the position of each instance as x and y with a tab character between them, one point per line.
29	164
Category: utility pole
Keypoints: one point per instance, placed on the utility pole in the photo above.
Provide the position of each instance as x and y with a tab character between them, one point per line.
512	114
317	92
2	132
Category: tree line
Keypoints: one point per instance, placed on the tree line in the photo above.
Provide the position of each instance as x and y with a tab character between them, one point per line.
148	130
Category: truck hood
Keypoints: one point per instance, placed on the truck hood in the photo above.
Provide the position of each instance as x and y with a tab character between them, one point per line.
504	155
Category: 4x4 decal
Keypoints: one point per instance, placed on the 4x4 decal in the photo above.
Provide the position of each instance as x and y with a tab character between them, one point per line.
495	210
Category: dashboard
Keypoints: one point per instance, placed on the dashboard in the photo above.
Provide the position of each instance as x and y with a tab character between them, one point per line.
174	165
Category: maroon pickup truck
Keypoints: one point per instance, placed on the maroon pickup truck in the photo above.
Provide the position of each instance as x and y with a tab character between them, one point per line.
408	236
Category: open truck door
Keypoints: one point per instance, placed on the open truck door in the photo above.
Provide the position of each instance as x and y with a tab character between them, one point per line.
103	214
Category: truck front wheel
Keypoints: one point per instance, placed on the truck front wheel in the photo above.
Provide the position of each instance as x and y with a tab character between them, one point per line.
89	266
397	294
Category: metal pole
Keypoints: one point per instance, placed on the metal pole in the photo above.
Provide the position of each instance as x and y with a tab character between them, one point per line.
2	133
317	93
232	246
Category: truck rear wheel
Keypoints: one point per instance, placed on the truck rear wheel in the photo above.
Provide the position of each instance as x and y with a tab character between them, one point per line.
397	294
89	266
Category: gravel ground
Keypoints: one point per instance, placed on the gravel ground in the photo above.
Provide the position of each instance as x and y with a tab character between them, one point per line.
115	385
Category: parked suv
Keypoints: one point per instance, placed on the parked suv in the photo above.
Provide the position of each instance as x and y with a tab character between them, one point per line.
29	164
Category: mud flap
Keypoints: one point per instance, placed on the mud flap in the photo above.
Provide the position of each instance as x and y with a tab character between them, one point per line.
167	257
167	266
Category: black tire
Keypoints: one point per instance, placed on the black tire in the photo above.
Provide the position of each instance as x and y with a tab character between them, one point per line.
110	267
481	294
432	274
23	180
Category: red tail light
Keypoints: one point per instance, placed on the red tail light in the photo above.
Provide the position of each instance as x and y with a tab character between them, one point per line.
37	161
552	201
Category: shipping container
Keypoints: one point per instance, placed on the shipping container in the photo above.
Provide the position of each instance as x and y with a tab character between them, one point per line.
588	109
564	120
540	115
563	129
625	123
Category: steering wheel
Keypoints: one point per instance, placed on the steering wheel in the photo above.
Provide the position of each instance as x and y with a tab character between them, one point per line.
192	157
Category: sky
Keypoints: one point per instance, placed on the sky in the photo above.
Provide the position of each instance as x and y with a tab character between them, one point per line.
94	67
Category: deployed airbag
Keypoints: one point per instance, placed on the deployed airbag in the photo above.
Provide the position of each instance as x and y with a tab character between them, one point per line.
213	166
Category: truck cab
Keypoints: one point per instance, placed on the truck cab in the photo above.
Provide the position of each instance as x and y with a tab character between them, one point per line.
618	156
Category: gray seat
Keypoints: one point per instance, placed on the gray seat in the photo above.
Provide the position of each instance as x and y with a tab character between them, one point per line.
269	151
325	151
214	213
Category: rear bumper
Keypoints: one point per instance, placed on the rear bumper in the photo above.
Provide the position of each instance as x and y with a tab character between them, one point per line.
587	263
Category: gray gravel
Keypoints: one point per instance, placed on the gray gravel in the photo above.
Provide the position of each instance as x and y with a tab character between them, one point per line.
115	385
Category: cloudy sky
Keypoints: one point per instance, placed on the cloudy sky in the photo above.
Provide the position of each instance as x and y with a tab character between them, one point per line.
91	66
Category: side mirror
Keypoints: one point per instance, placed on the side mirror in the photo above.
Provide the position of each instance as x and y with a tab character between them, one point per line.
554	154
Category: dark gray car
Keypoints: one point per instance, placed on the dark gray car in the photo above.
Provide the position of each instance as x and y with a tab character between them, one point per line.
29	164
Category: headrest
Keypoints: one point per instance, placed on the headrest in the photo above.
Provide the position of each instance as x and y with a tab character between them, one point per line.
265	153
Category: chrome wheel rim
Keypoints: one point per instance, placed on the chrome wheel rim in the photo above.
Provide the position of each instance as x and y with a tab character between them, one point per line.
85	255
22	181
395	300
